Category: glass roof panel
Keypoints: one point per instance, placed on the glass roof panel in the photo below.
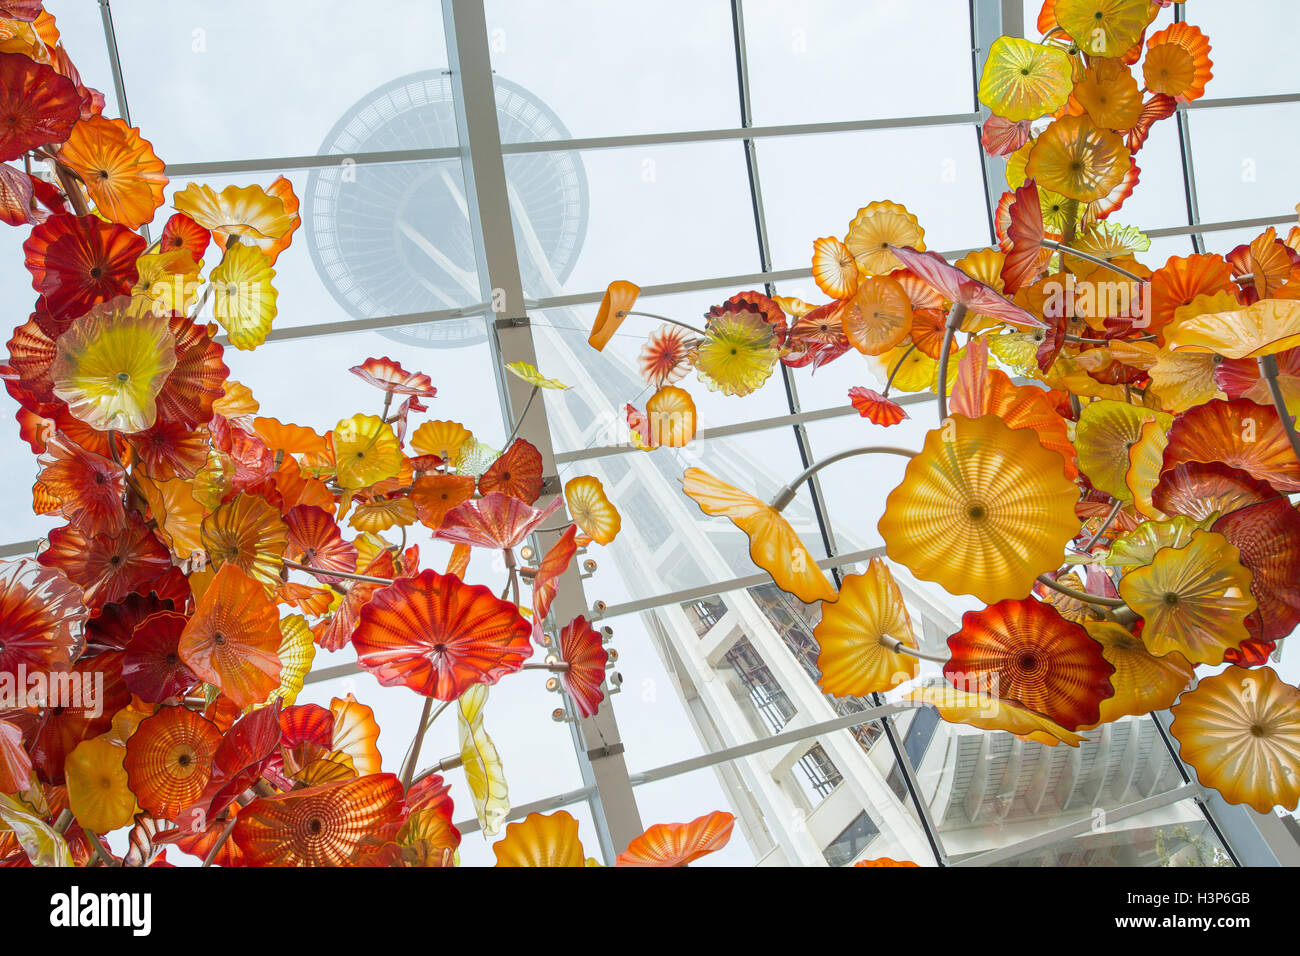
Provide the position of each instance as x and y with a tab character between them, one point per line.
618	69
196	73
1245	160
850	60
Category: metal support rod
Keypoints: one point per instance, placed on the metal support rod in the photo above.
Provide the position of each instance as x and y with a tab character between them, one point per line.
950	327
1268	371
787	494
664	318
1080	595
728	754
1095	260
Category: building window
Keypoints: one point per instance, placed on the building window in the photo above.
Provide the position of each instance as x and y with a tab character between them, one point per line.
821	774
851	842
766	694
704	613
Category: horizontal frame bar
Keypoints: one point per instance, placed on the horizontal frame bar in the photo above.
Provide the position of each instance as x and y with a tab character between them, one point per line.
316	161
1080	827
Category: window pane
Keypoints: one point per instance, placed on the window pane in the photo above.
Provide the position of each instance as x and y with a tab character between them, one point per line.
616	69
197	74
1250	47
847	60
1245	160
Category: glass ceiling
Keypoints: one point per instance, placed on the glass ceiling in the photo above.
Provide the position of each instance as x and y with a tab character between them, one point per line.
636	149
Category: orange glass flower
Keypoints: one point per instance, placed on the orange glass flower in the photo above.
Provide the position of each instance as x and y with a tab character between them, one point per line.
857	633
1267	535
1178	62
494	521
983	509
1076	159
773	544
1267	327
123	176
991	713
670	419
41	618
324	825
582	648
247	532
249	212
517	473
1024	651
1240	731
833	268
438	635
678	844
169	760
666	355
878	316
233	638
619	298
873	406
1239	433
436	495
389	376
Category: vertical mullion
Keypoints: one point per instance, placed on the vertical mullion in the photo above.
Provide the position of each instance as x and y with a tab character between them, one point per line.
1189	170
596	739
801	433
119	84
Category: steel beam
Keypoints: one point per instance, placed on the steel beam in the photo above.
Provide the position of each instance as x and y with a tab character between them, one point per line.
596	739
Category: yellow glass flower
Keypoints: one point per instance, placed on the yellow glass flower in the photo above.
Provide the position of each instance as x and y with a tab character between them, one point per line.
440	438
1145	458
538	839
1104	28
1183	379
1264	328
1078	160
248	212
297	652
983	509
992	713
1140	546
855	659
532	376
591	509
1194	599
1240	731
1106	431
773	544
365	451
171	279
483	770
1143	682
1023	80
98	792
247	531
382	513
875	228
243	299
111	364
737	354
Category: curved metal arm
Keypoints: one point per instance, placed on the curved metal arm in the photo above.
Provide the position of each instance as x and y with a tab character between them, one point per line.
1089	257
786	494
892	643
664	318
1081	595
955	315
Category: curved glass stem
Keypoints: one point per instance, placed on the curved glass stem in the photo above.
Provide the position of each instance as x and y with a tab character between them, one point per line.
664	318
955	315
1080	595
1089	257
786	494
1268	371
